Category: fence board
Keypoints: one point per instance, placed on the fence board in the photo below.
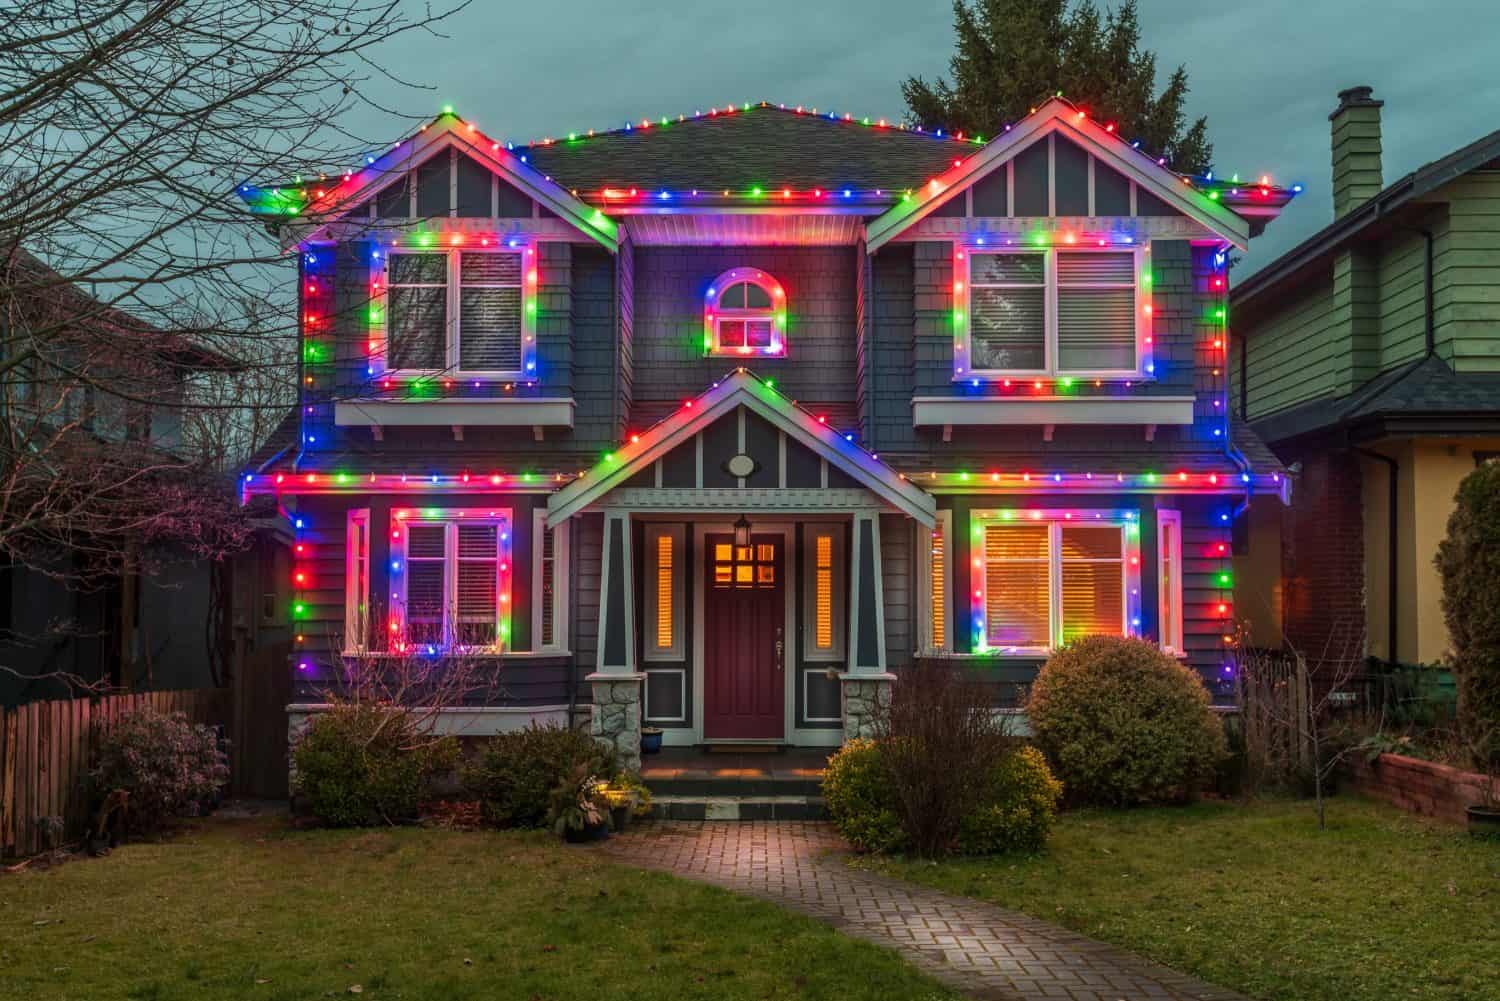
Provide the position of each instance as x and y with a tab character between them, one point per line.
45	749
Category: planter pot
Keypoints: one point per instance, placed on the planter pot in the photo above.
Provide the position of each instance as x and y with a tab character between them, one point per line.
584	835
650	740
1484	822
619	817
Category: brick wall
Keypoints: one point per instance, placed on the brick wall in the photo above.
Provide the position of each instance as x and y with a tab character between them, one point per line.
1322	558
1423	787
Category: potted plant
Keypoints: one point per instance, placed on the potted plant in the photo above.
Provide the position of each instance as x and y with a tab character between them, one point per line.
1484	816
578	810
628	797
650	739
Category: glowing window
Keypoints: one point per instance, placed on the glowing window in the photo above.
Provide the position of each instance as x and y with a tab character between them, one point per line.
822	555
939	569
744	314
1169	578
450	581
549	584
357	580
664	592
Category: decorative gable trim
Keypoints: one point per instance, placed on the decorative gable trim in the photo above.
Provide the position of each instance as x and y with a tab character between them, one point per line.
742	389
1062	117
446	131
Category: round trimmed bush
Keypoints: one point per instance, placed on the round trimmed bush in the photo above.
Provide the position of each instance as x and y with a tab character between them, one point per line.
513	774
359	764
1019	808
861	799
1469	561
167	764
1123	723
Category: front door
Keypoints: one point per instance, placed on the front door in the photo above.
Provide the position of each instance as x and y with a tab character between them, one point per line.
744	619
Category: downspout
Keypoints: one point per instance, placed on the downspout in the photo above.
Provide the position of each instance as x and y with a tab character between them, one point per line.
1393	581
870	297
572	627
1235	455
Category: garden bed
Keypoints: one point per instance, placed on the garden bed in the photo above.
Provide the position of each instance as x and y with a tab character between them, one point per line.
1425	787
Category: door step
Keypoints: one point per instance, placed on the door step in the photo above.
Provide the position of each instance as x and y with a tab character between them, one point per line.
738	808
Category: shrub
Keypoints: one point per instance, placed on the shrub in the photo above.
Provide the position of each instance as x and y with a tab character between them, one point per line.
1469	561
861	799
1019	807
362	763
1123	723
514	774
166	764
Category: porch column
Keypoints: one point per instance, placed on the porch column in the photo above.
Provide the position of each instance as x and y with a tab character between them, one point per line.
866	685
615	719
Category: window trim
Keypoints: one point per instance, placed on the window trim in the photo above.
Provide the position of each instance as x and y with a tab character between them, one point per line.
653	533
836	531
379	338
450	518
713	315
560	564
1170	641
963	260
356	622
943	528
1128	521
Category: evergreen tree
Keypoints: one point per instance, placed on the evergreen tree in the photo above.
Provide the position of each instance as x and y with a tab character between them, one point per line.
1014	54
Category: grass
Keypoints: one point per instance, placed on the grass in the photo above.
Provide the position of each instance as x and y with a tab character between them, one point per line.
1255	898
250	909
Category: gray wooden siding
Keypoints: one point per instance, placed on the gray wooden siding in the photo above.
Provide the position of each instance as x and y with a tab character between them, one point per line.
625	310
897	570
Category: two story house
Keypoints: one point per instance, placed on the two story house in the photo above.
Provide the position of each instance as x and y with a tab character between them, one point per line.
1369	355
719	422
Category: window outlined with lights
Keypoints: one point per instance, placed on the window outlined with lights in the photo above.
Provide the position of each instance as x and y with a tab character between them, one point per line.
1042	578
450	580
465	312
1052	312
744	315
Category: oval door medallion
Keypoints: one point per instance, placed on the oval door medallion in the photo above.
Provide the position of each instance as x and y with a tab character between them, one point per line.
740	465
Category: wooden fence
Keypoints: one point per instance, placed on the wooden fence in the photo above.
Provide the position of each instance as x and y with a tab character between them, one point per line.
44	759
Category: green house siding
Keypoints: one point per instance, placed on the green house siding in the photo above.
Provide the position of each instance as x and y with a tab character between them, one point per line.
1399	271
1292	355
1467	274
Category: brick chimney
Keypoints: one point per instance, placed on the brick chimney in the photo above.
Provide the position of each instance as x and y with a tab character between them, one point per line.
1356	150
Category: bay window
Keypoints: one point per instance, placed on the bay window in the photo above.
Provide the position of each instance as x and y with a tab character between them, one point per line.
458	311
1040	579
1169	579
450	580
549	585
1049	312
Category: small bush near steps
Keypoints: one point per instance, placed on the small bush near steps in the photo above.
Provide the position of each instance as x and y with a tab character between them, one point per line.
363	764
514	774
1122	723
861	800
166	765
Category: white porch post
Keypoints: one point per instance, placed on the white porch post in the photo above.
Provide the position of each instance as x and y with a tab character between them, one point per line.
866	685
615	719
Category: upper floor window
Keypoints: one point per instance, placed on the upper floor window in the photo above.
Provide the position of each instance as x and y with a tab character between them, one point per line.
1050	313
457	311
745	314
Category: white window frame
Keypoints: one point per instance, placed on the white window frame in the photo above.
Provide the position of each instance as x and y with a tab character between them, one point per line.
356	586
380	313
837	532
649	650
450	518
681	673
1130	566
944	528
1170	638
714	314
964	272
560	565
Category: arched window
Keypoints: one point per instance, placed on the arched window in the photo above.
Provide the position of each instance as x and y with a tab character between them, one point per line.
745	314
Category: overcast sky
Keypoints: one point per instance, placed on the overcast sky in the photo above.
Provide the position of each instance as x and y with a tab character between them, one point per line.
1266	74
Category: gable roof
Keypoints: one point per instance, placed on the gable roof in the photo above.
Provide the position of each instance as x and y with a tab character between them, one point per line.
741	389
321	204
1422	181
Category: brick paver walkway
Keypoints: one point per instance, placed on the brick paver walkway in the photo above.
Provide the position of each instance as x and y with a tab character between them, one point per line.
981	949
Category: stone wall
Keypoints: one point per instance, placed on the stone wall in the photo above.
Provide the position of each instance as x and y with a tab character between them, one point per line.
1423	787
862	699
616	717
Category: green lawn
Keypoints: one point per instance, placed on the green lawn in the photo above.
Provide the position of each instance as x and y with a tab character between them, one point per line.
249	909
1379	906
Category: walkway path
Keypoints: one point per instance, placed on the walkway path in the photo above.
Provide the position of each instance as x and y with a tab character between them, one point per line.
983	950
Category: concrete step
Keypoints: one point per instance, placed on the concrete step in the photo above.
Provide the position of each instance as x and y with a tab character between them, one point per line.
736	808
734	785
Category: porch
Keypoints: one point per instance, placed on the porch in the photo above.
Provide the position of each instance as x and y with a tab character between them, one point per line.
694	783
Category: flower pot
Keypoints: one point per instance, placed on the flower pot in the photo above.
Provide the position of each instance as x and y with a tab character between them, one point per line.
650	740
1484	822
586	834
619	816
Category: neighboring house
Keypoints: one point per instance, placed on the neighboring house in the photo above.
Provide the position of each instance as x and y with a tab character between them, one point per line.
1370	355
720	422
66	614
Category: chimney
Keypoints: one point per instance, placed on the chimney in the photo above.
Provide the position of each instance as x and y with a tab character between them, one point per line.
1356	150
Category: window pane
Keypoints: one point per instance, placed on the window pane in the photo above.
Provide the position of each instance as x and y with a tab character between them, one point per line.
823	592
478	599
758	333
939	591
1089	267
424	541
549	593
1093	585
995	269
664	581
1095	329
733	297
1016	586
424	601
418	269
756	297
1167	597
731	334
489	269
1008	328
417	327
489	330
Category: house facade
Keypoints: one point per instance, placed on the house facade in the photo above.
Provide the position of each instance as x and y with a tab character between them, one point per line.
1370	355
719	423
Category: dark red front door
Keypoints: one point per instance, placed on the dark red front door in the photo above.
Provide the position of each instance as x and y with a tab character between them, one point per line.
744	610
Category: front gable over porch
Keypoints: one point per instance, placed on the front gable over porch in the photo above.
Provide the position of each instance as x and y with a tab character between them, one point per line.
742	446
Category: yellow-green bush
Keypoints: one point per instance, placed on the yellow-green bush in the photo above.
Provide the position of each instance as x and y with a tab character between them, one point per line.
1019	808
1123	723
861	800
1469	561
358	763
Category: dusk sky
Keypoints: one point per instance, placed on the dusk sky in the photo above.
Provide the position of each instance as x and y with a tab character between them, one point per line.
1265	74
